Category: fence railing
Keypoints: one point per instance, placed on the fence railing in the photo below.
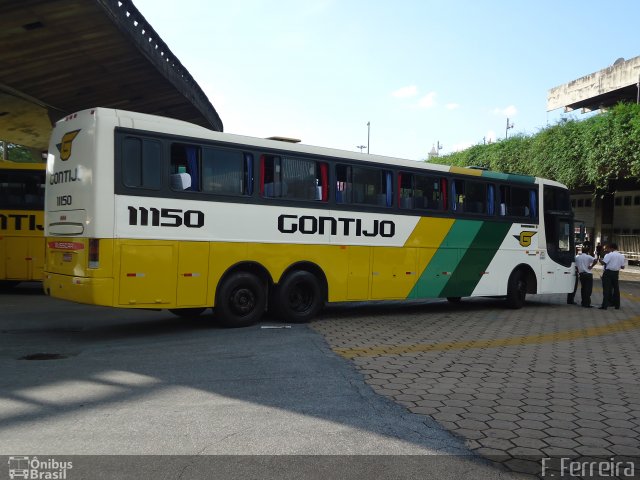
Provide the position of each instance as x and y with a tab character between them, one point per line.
629	245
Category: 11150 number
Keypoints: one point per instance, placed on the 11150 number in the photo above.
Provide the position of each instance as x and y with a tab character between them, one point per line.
165	217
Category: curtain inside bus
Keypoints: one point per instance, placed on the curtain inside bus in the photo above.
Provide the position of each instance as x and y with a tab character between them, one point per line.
490	199
192	164
248	181
533	204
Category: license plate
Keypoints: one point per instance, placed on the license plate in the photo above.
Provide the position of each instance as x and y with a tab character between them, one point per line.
67	257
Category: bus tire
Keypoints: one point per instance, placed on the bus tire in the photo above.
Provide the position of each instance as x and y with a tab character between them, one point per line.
298	298
241	300
8	284
187	312
516	289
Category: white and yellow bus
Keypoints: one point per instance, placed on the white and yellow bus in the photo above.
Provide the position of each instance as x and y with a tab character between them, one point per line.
21	222
149	212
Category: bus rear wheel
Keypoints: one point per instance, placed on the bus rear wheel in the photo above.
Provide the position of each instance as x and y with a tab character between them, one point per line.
241	300
298	298
516	289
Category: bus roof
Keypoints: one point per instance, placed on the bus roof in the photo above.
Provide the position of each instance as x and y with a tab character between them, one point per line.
178	127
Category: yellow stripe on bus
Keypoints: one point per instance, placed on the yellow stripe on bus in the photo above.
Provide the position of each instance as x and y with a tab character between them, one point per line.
466	171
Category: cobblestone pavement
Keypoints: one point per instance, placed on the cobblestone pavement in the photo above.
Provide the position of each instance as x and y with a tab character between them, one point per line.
550	379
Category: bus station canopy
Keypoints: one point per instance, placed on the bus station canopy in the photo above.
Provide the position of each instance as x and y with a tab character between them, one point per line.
61	56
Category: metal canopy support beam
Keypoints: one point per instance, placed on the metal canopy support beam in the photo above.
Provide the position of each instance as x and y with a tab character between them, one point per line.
61	56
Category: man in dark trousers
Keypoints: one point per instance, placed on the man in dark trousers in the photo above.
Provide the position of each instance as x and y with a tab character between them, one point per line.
584	263
613	262
572	295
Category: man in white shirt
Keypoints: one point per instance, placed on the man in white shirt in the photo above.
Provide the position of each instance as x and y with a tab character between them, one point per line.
584	263
613	262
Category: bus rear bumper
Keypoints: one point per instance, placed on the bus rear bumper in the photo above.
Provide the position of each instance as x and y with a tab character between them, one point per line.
95	291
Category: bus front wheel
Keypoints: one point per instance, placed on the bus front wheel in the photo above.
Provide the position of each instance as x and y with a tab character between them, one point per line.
241	300
516	289
298	298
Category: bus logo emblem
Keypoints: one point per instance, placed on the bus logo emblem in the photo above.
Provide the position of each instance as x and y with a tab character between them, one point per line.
525	238
65	146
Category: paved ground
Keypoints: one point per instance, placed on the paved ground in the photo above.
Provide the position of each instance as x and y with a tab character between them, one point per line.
158	397
423	378
549	380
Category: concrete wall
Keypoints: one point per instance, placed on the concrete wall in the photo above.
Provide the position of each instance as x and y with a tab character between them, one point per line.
613	78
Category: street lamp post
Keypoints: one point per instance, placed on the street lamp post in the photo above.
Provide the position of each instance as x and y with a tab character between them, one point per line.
506	131
368	134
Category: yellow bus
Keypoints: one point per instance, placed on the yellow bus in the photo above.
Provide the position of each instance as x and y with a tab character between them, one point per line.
21	222
148	212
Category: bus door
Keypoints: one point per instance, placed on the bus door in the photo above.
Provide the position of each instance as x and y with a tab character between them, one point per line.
559	275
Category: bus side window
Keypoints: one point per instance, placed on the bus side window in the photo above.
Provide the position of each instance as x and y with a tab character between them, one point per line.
519	206
405	190
302	179
372	186
185	160
141	159
271	185
504	201
476	197
226	172
427	192
344	178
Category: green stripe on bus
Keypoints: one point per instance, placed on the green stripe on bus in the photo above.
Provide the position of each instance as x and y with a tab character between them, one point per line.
475	260
438	272
509	177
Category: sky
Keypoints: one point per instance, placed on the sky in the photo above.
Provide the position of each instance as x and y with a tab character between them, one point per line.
398	77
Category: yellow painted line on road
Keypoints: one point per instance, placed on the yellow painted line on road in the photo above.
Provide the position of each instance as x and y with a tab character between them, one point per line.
384	350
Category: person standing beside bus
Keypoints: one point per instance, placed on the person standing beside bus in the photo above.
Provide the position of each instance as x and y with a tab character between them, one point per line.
598	251
584	263
613	262
572	295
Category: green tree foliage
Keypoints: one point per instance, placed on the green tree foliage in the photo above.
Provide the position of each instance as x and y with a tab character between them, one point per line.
577	153
17	153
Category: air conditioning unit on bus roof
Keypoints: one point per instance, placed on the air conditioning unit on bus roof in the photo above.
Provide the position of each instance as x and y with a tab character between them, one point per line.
284	139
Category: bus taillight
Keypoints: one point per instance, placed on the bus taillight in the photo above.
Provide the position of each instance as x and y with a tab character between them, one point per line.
94	253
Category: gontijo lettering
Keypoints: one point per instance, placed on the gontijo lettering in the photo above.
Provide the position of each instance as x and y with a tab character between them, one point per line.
309	225
64	177
30	222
